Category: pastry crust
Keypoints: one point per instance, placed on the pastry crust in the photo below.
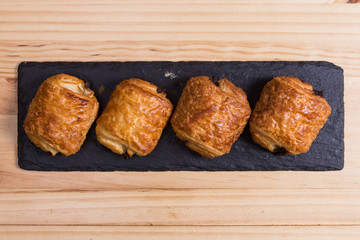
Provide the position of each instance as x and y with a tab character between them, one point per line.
209	119
134	118
288	116
61	114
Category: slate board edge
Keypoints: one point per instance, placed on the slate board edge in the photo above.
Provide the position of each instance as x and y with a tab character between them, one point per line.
35	168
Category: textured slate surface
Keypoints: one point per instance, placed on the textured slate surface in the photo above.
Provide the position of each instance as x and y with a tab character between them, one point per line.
326	153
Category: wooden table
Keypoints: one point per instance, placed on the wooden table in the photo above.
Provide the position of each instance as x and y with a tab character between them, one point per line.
179	205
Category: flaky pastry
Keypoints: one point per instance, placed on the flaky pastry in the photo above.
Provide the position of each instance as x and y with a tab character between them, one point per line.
134	118
210	118
61	114
288	116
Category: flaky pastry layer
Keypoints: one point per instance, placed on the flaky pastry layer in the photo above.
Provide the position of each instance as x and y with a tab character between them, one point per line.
210	118
134	118
61	114
288	116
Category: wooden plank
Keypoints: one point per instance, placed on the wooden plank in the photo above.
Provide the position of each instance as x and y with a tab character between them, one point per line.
215	22
185	2
181	207
179	232
129	14
246	48
165	8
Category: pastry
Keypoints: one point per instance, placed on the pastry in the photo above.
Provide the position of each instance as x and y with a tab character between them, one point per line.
134	118
288	116
210	118
61	114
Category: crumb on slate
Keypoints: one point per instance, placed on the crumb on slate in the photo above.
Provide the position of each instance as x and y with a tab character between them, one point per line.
101	89
171	75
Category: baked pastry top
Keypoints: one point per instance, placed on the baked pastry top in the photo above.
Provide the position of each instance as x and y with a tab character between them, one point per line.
288	116
61	114
134	118
210	118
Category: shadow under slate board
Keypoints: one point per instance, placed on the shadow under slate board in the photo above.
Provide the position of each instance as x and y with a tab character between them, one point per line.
326	153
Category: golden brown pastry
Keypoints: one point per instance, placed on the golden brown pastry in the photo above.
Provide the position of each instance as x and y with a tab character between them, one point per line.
209	119
134	118
288	116
61	114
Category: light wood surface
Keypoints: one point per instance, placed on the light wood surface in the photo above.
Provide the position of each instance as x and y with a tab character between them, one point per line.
178	232
253	203
181	207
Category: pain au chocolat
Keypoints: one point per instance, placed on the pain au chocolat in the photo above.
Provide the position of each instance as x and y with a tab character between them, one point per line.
288	116
134	118
61	114
210	118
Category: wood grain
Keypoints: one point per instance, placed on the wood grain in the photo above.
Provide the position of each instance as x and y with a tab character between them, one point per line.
179	232
181	207
241	30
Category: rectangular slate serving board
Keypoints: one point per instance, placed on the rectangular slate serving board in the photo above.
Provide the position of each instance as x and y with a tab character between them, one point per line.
326	153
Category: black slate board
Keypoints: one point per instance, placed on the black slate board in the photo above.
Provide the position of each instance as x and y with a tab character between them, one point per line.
326	153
